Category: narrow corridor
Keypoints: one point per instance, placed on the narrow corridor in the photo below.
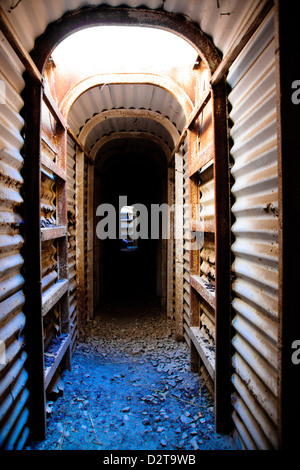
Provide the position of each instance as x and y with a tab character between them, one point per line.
131	388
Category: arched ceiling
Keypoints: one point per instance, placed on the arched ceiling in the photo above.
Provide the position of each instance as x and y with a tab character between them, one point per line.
217	18
127	96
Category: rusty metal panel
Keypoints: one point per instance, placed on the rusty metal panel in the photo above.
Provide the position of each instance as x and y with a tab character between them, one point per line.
255	246
13	376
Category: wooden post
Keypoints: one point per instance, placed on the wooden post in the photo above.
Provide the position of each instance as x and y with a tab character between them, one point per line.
32	260
90	241
178	235
222	270
170	260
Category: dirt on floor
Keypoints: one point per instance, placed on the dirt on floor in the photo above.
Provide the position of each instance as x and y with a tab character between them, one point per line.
130	388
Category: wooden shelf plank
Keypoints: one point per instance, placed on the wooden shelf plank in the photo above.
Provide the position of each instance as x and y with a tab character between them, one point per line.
206	226
204	349
50	233
52	166
50	370
205	156
204	289
52	295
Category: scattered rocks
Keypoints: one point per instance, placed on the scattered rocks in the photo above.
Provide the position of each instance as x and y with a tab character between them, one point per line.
130	388
186	419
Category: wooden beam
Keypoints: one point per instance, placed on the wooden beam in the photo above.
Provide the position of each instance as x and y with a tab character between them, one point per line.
32	259
256	19
203	349
199	285
52	295
222	269
51	233
80	145
204	99
53	108
50	371
15	42
52	166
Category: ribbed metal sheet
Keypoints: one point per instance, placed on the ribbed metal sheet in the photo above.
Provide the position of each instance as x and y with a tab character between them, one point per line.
72	240
255	249
13	375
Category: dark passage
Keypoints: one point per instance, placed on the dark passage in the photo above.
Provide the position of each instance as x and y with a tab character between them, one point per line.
130	388
130	274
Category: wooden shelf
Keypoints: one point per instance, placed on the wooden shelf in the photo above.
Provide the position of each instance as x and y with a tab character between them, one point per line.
57	357
51	233
206	226
52	166
52	295
205	349
206	290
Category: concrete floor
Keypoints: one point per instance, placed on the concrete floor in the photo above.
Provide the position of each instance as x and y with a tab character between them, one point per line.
130	388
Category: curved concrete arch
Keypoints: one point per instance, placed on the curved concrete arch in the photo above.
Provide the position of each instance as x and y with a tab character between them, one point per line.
127	79
130	135
128	113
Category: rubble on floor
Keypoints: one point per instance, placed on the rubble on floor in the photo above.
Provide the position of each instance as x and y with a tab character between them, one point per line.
130	388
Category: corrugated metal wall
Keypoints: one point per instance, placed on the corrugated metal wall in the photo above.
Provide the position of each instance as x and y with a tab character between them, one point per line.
255	246
13	375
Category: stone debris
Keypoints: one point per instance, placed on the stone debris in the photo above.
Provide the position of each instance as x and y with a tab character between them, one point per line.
130	387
